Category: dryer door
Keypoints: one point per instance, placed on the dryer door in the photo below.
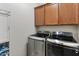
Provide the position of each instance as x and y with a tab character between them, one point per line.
53	49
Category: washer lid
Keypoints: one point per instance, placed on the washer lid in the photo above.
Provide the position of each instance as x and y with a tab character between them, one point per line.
36	38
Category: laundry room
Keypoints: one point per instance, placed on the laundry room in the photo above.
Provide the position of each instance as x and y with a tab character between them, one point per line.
39	29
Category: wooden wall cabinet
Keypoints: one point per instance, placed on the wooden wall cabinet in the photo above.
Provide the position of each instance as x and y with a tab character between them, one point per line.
51	14
56	14
78	13
68	13
39	16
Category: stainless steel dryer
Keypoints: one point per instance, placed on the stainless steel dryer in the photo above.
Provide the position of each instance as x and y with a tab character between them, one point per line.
62	44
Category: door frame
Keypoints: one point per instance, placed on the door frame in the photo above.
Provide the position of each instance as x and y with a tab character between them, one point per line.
6	14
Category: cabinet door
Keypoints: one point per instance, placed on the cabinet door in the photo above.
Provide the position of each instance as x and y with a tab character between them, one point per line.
31	48
39	48
78	13
68	13
51	14
39	16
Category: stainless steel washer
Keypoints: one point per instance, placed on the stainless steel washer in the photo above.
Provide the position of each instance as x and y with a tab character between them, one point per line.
36	44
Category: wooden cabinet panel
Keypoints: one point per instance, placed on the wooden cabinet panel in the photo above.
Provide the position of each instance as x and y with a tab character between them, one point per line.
68	13
39	15
78	13
51	14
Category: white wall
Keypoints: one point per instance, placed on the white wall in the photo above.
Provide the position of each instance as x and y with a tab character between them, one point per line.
21	26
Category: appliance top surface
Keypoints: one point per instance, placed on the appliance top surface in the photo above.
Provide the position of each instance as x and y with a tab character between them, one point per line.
36	38
65	43
64	36
42	34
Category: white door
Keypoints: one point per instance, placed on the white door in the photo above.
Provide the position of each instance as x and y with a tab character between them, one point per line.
4	28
